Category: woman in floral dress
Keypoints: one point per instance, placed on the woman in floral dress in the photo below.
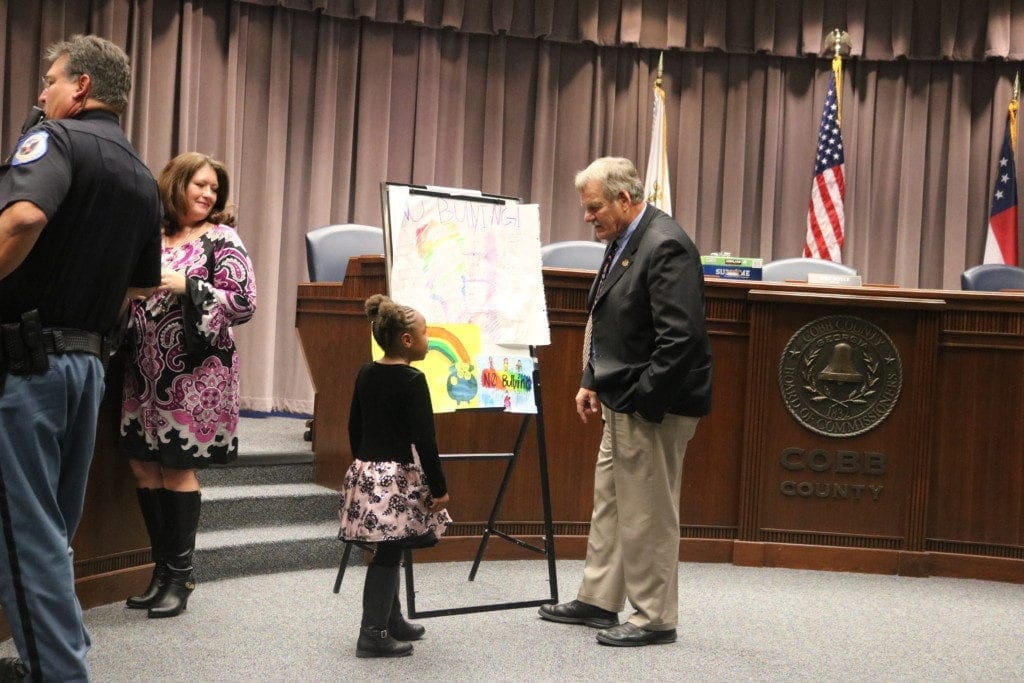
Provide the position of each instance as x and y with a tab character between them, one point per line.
180	409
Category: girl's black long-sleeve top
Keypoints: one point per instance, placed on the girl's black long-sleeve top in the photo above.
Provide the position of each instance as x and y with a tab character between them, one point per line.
391	410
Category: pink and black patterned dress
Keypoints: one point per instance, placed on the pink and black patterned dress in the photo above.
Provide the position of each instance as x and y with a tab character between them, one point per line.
396	473
180	404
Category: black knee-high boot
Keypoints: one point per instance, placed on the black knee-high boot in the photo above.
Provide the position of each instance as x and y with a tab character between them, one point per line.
153	515
378	596
181	510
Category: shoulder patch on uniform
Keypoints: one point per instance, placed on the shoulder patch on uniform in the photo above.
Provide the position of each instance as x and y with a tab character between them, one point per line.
31	148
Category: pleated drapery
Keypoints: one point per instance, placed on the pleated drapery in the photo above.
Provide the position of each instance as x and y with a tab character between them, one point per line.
312	104
967	30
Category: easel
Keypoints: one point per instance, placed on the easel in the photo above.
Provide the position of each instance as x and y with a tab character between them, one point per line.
489	530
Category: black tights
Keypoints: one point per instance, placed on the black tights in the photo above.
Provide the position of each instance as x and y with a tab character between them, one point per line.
387	555
380	591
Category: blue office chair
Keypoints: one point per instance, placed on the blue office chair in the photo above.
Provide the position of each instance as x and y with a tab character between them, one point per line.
329	248
992	277
573	254
798	268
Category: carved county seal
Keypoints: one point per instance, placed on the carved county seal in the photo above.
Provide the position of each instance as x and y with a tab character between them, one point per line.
840	376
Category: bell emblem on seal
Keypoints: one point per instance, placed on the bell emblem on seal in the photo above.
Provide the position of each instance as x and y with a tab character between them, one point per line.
840	367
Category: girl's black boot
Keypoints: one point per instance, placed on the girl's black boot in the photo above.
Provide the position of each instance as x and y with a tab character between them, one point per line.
399	628
375	640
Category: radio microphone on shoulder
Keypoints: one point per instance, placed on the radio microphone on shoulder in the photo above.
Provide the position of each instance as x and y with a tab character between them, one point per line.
35	115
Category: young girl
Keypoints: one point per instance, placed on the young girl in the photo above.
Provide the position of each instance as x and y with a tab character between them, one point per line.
388	498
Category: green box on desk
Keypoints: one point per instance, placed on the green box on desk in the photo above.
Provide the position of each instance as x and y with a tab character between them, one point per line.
732	267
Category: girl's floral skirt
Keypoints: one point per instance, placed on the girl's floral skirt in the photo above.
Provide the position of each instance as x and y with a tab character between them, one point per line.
389	501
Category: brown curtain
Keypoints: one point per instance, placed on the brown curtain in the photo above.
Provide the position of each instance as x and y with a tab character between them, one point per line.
313	104
879	29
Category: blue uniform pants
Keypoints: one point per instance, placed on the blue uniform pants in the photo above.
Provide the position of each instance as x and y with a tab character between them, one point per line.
47	435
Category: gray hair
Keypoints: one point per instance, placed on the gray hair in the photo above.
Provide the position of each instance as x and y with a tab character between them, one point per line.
105	63
614	175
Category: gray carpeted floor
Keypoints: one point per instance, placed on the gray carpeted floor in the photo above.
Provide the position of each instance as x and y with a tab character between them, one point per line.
736	623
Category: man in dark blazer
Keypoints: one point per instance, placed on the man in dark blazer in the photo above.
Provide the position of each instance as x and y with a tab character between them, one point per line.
647	369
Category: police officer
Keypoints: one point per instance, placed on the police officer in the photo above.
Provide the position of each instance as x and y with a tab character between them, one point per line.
79	226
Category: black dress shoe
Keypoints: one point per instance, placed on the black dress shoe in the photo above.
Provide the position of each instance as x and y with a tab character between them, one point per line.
577	612
631	635
12	669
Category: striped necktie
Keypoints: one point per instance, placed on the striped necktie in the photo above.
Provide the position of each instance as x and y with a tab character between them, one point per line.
609	258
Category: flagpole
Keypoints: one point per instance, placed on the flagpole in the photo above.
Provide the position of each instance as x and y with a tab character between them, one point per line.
657	187
1014	105
1012	124
837	69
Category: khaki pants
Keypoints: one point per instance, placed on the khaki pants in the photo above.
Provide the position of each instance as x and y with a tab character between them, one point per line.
633	547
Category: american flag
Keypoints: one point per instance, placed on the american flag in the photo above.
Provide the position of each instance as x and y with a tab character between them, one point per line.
1001	242
825	217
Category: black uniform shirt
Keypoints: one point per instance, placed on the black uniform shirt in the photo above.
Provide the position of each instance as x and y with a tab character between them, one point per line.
103	222
390	410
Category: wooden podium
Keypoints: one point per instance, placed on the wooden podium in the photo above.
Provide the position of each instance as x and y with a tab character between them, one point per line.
936	488
803	489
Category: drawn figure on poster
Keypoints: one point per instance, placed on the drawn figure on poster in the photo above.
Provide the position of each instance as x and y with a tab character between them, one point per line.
508	388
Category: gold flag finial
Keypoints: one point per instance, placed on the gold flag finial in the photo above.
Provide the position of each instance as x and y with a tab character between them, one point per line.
838	42
661	67
1016	86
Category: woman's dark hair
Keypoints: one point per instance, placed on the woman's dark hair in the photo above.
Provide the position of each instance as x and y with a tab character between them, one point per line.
388	321
173	184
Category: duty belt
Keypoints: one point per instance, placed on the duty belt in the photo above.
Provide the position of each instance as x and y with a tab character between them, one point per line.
25	346
69	340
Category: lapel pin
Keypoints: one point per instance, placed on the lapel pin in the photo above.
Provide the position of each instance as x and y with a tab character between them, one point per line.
625	263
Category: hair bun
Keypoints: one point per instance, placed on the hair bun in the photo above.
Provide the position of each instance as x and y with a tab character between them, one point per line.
373	305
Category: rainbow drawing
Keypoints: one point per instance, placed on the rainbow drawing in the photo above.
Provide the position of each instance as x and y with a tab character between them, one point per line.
461	384
447	344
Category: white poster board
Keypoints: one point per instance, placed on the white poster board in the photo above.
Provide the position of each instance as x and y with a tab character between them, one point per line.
459	261
464	258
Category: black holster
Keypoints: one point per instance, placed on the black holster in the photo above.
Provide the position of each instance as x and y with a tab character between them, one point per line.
25	346
22	348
